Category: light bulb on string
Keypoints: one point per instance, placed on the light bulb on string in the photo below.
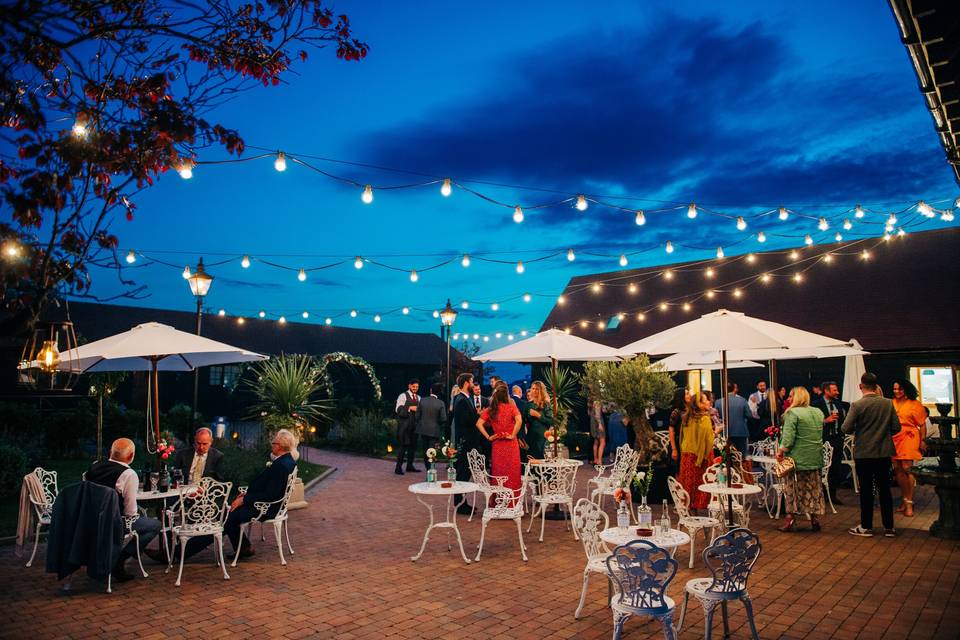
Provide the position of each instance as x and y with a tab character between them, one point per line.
328	321
353	313
358	263
245	262
510	336
466	260
282	320
79	129
692	211
761	236
720	253
709	272
669	247
520	267
663	306
262	314
751	258
924	209
524	332
710	294
828	258
583	324
858	211
892	220
765	278
302	275
887	228
794	255
305	314
571	256
807	239
186	272
741	223
464	305
405	311
367	195
668	275
601	325
436	314
901	232
736	293
847	225
947	216
498	335
686	306
517	214
186	169
632	288
476	336
641	218
446	188
495	307
486	338
581	203
376	318
798	278
131	257
641	316
561	299
280	164
241	320
222	312
621	316
595	287
822	224
623	260
783	214
838	236
886	235
527	297
413	276
456	336
865	255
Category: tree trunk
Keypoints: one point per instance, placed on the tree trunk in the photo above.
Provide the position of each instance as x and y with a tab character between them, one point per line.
647	444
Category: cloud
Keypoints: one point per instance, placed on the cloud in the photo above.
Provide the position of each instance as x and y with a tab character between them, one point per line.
249	284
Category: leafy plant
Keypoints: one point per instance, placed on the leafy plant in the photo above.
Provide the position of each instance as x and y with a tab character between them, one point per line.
631	386
565	385
287	389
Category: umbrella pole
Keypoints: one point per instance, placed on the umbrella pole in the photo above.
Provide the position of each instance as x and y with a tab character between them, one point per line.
99	426
556	425
726	429
772	393
155	375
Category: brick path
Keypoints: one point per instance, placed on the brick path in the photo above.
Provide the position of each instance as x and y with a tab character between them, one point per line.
352	577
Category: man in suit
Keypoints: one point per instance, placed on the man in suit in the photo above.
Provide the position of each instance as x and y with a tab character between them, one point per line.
407	406
201	461
465	415
480	401
431	418
835	411
269	486
739	415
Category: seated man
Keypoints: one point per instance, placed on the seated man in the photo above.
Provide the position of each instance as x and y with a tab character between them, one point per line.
268	486
117	474
202	461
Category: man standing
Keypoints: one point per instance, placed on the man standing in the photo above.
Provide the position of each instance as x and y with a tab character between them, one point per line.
465	417
835	411
407	404
431	417
873	422
479	401
202	461
117	474
739	414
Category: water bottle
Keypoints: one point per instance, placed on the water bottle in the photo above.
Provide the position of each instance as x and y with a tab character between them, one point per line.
722	475
623	516
644	515
432	473
665	525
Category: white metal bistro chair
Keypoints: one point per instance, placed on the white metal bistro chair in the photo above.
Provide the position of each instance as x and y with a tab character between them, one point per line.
664	438
848	447
203	514
507	505
129	534
642	571
693	524
825	472
43	509
479	476
278	519
718	503
588	521
730	560
611	476
556	482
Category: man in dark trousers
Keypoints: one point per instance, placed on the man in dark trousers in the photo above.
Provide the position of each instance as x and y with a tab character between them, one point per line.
835	411
200	461
406	409
465	416
431	419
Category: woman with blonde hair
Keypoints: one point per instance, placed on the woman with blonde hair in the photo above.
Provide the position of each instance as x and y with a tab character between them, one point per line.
696	448
539	417
802	439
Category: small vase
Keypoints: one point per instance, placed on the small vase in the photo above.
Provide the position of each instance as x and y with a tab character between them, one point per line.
644	514
432	473
451	472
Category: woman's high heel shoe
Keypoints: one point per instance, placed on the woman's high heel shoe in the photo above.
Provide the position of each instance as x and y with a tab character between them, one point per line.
789	526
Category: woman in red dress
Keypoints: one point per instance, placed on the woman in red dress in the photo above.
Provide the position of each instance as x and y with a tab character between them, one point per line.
503	418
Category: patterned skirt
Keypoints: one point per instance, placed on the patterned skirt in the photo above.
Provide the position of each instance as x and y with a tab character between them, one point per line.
803	492
691	477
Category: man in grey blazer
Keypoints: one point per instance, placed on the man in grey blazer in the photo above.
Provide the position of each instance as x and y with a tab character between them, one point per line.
873	421
431	419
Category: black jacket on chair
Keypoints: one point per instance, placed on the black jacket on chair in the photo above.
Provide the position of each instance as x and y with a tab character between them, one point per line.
270	483
86	530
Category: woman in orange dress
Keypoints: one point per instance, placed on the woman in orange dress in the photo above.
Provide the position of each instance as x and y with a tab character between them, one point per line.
909	442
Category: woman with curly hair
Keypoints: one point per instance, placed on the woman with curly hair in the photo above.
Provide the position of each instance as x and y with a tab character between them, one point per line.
539	417
910	442
696	448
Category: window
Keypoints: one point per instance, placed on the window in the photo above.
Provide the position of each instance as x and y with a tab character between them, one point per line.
935	384
613	323
225	376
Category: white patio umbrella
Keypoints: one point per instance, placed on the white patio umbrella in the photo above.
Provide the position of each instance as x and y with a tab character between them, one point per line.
156	347
552	345
706	362
853	368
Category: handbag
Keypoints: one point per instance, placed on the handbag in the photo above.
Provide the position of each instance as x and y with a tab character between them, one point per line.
784	467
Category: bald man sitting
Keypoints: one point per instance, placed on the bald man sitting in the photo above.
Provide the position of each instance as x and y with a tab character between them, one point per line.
117	474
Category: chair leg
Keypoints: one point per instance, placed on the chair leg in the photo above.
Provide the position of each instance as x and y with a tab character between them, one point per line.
570	519
583	594
223	564
483	531
856	484
826	485
749	607
277	530
139	560
618	620
473	507
523	547
667	623
183	553
533	515
683	610
109	581
286	531
726	621
243	530
36	543
693	538
543	519
708	608
262	538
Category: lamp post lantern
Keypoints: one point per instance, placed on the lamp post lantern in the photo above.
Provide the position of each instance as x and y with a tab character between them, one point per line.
199	282
448	316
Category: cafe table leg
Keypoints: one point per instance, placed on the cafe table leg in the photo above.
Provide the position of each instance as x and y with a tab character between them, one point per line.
426	534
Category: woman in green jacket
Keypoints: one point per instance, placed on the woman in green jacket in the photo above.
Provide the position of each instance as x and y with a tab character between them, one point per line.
802	440
539	418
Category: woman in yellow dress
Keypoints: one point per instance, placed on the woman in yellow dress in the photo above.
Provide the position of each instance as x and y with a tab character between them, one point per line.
696	449
909	442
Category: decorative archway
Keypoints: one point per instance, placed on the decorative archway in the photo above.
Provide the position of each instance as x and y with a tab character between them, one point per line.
340	356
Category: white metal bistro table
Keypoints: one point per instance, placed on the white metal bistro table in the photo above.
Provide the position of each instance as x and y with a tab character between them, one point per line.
617	536
716	488
426	489
165	525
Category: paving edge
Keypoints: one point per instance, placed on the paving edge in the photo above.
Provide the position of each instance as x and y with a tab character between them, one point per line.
323	476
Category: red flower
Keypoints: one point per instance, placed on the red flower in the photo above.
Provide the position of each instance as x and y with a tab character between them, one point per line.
165	456
717	460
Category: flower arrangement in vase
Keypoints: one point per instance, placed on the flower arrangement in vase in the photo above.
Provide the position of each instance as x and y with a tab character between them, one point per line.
444	452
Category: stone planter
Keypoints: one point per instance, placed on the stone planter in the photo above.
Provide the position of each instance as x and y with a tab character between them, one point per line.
297	499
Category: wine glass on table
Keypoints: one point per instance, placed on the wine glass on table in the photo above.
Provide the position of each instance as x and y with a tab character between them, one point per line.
154	480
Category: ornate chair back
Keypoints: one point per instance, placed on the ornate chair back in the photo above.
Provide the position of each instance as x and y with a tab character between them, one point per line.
588	521
624	465
827	461
642	570
710	475
681	499
478	468
556	479
48	482
507	502
848	448
664	438
282	511
207	508
730	559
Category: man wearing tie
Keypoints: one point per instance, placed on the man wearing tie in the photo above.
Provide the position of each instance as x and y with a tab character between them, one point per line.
431	418
407	405
202	461
835	411
479	401
465	416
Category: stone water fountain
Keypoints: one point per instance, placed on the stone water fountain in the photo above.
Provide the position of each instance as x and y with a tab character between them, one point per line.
944	477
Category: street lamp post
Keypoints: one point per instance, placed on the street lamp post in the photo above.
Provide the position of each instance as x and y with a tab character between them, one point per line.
199	283
448	316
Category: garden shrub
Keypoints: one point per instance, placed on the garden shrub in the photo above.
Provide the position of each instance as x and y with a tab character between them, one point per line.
13	466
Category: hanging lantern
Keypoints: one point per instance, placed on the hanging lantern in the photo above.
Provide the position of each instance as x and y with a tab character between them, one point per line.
49	359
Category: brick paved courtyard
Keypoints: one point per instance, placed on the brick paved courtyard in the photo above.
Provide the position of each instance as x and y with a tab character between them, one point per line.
352	577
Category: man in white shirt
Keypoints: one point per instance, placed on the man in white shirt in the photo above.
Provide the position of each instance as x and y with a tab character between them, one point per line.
406	410
117	474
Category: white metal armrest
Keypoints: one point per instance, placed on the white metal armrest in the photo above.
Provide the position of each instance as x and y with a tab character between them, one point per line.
128	522
263	507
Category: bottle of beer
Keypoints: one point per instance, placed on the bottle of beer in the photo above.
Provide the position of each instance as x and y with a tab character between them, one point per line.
164	484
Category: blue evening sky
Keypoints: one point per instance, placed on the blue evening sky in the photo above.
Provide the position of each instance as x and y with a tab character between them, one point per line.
739	106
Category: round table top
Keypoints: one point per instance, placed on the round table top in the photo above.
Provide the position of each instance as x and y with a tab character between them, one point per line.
434	488
763	459
617	536
160	495
555	461
745	489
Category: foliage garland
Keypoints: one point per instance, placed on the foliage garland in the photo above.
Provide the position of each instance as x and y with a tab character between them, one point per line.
341	356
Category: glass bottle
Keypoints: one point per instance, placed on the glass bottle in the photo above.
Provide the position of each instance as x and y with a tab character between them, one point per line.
722	474
451	471
644	514
623	516
432	473
665	524
164	479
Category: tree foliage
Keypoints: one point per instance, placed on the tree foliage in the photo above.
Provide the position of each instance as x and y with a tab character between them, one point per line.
98	100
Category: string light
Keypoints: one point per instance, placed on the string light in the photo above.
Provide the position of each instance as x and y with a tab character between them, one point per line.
924	209
765	278
262	314
858	211
436	314
79	129
328	321
668	275
709	272
466	260
524	333
131	257
847	225
838	236
186	272
623	260
245	262
751	258
185	169
741	223
280	164
571	256
783	215
11	249
358	263
807	239
413	276
405	311
761	236
305	314
720	253
686	306
222	312
794	255
486	338
367	195
495	307
518	214
632	288
582	203
669	247
691	211
527	297
865	254
520	268
710	294
901	232
464	305
282	320
583	324
947	216
663	306
888	228
376	318
561	299
828	258
595	287
510	337
641	218
446	188
892	220
353	313
737	293
498	335
601	325
641	316
823	225
240	320
798	277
